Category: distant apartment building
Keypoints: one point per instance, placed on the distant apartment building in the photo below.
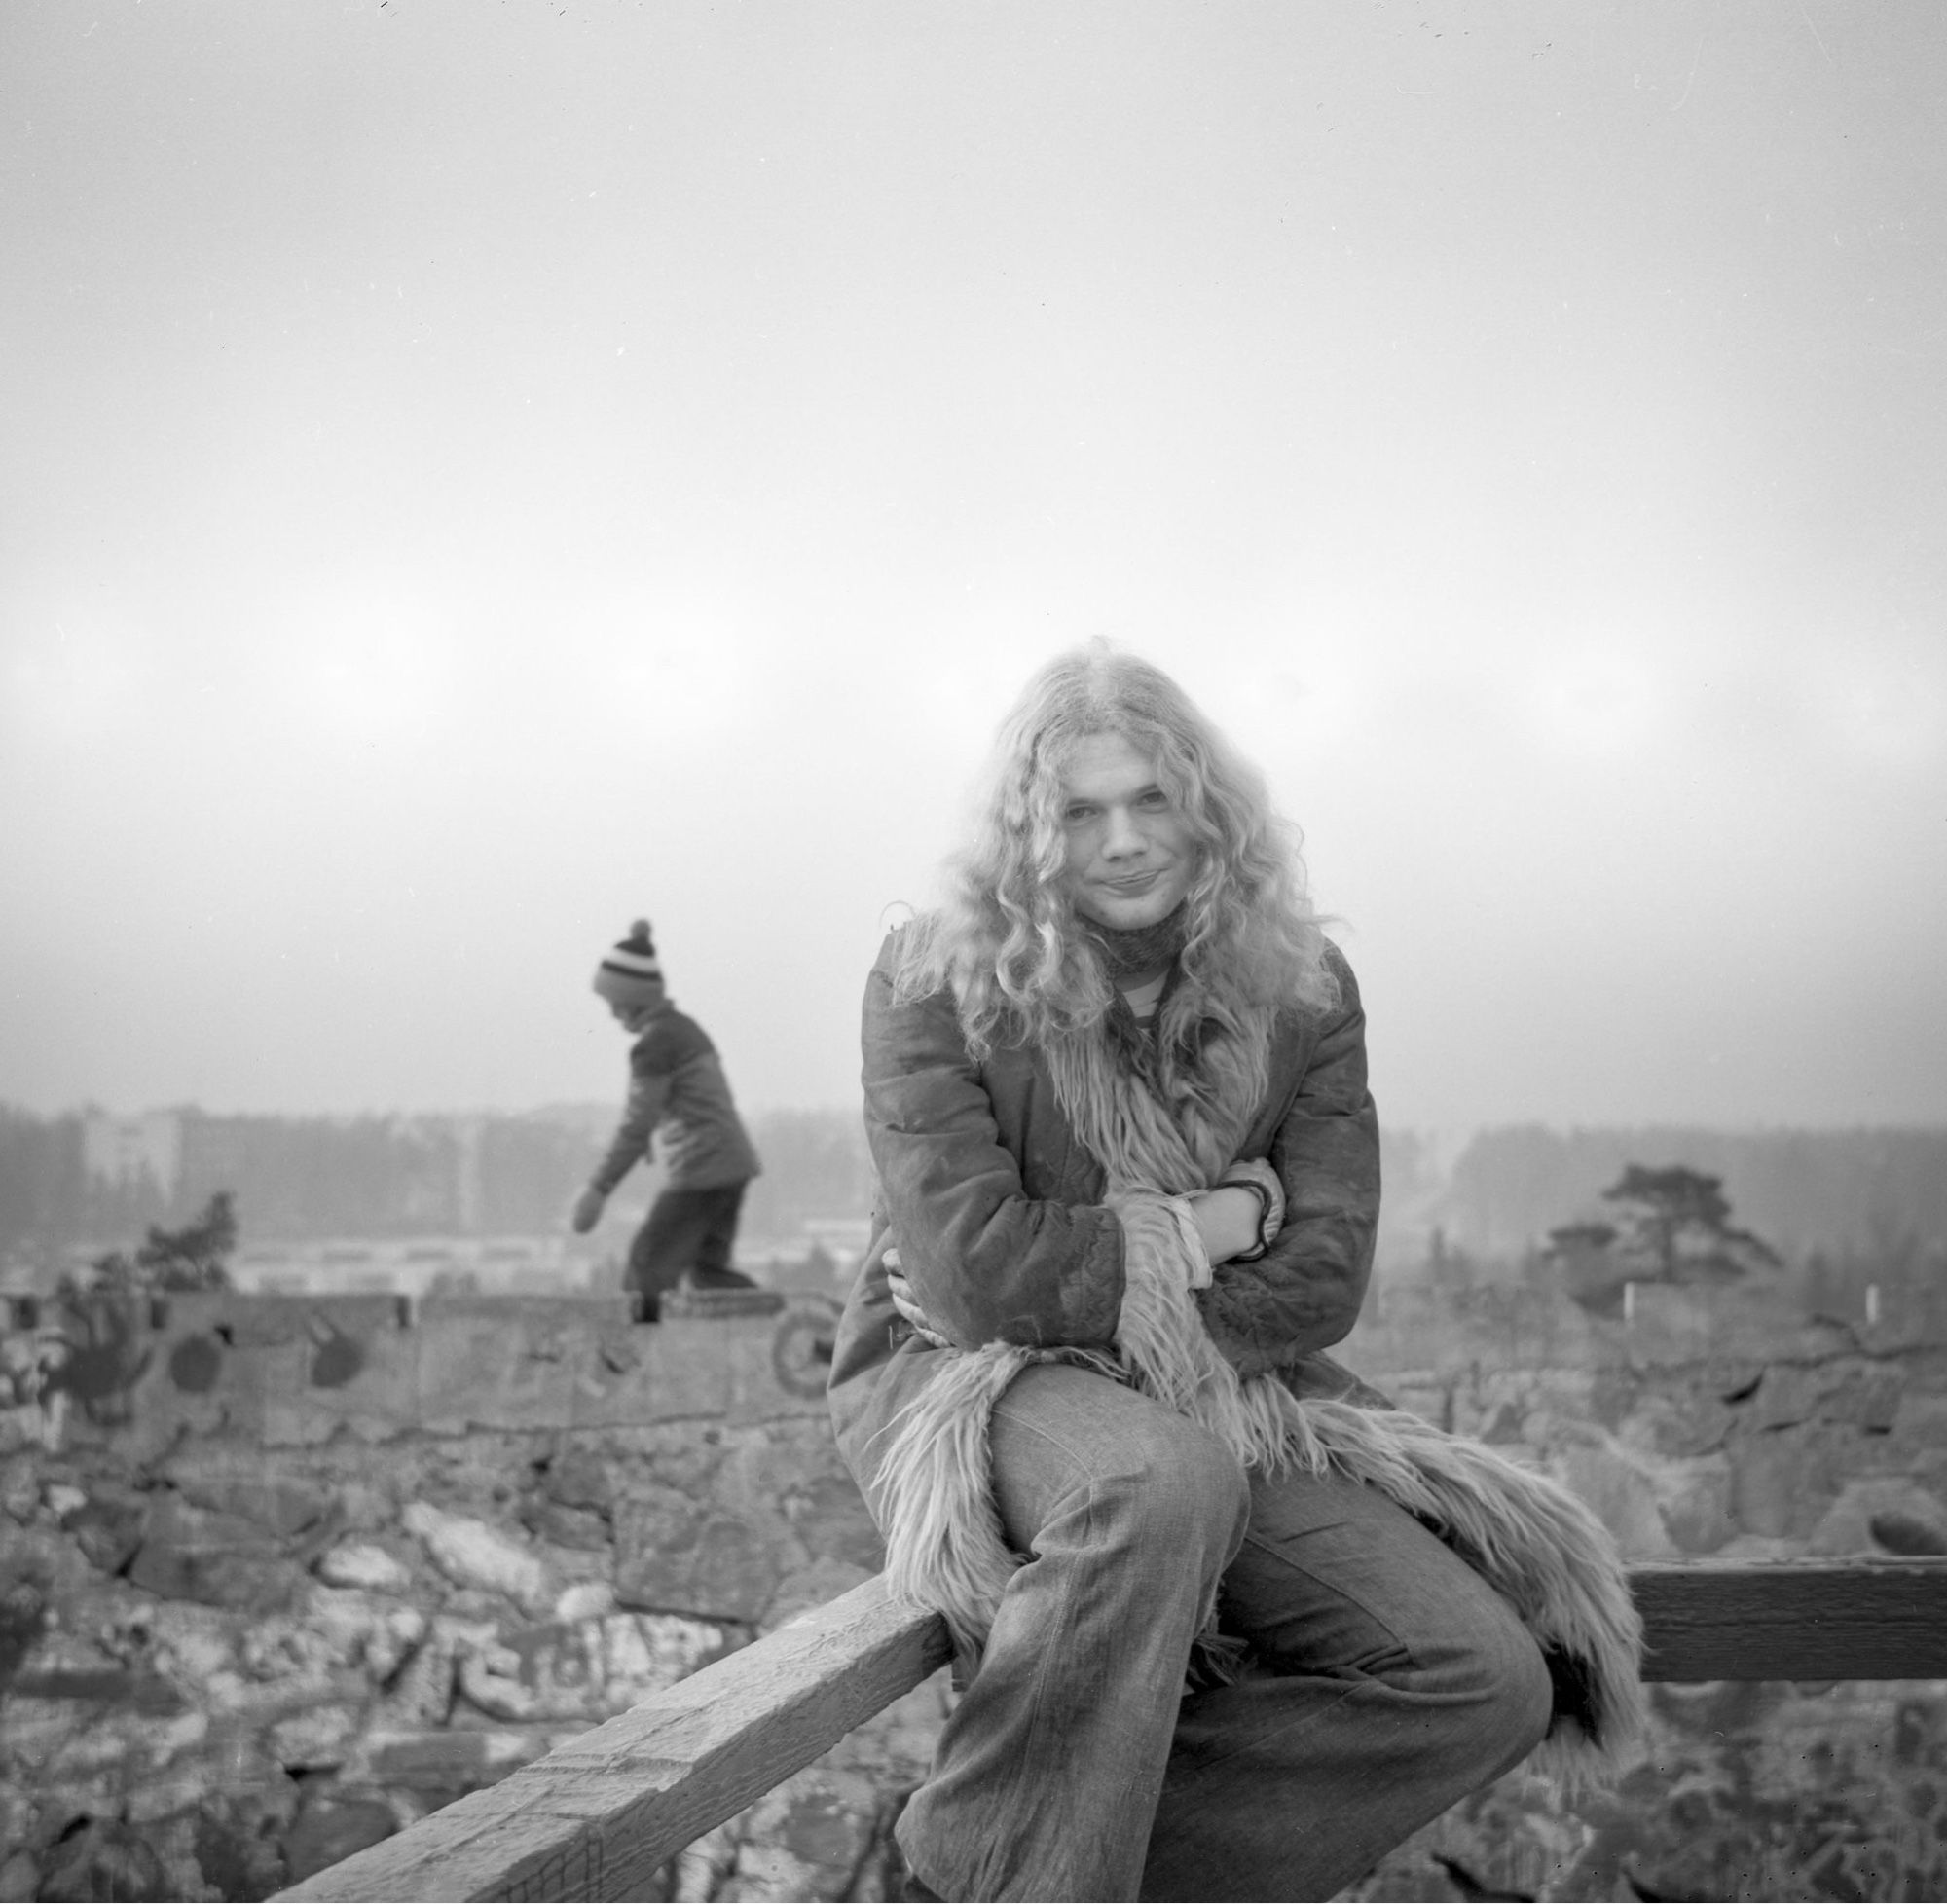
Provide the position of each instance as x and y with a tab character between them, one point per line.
123	1151
423	1265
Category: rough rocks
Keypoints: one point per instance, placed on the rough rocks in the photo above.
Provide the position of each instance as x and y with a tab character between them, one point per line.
365	1564
201	1554
585	1669
250	1661
471	1554
258	1626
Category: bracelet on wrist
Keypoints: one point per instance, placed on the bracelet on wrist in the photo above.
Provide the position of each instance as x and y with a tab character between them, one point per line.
1258	1190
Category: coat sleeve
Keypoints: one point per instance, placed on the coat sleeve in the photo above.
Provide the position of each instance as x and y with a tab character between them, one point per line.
649	1098
1305	1291
987	1261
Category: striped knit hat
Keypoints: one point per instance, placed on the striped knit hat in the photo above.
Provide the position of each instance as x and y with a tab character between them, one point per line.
630	976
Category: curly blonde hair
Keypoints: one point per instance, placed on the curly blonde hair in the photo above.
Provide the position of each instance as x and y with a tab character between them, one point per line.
1007	941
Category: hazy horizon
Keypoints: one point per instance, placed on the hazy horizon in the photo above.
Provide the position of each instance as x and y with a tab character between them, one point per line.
1447	1140
475	477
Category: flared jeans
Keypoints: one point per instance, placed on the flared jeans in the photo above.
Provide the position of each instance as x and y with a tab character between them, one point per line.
1386	1679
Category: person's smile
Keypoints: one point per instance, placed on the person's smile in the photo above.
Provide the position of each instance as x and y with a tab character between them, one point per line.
1130	854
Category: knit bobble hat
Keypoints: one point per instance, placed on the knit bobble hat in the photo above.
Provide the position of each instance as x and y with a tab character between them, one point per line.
630	976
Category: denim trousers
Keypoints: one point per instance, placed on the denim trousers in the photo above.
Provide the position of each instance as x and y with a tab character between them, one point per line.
1385	1678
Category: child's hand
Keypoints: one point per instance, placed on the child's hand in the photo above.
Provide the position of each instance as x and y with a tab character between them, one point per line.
587	1212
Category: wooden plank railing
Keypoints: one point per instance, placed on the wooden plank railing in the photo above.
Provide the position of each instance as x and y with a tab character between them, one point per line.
1803	1620
596	1817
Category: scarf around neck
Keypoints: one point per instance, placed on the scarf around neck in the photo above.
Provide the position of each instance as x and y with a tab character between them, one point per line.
1135	951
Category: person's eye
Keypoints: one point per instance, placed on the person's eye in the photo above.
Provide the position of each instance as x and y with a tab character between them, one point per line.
1154	800
1075	813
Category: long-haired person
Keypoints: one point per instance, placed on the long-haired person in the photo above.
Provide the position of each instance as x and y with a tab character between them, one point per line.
1228	1625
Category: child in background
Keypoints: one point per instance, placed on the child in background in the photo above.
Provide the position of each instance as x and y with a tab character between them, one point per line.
675	1088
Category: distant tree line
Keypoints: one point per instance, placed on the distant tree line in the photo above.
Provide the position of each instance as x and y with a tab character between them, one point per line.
1852	1204
1846	1195
295	1179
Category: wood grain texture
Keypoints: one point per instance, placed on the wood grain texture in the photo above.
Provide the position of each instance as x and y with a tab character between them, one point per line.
1855	1619
596	1817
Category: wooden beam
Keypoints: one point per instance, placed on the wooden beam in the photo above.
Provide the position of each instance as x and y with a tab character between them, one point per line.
1804	1620
597	1816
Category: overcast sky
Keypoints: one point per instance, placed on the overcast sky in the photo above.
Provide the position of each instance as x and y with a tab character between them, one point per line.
473	474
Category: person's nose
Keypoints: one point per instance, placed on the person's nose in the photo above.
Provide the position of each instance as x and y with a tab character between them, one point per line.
1121	838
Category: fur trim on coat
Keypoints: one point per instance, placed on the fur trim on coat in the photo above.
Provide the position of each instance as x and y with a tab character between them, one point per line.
1539	1546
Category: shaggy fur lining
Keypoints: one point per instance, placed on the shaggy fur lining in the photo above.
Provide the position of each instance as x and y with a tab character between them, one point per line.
1545	1552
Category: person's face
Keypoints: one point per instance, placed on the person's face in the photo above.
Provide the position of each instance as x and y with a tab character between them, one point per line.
1130	854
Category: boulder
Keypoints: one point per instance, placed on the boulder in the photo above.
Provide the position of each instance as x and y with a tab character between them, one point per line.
582	1528
1880	1515
808	1838
108	1524
422	1693
236	1861
1679	1425
367	1629
828	1514
24	1617
676	1555
811	1586
328	1829
187	1644
320	1737
103	1860
586	1599
586	1670
1782	1485
277	1503
365	1564
190	1553
1695	1507
578	1478
1869	1397
19	1485
20	1879
446	1762
1910	1534
471	1554
23	1427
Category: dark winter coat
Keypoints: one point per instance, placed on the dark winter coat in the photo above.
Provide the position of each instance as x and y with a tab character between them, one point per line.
997	1211
679	1096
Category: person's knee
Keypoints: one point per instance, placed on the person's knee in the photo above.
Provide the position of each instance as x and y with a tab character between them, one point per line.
1492	1698
1180	1494
1514	1694
1117	1472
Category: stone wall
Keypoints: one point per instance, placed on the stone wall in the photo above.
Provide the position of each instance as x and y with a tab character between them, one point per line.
1709	1424
280	1575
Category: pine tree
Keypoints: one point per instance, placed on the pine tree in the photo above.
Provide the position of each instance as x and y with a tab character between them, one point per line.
1675	1226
